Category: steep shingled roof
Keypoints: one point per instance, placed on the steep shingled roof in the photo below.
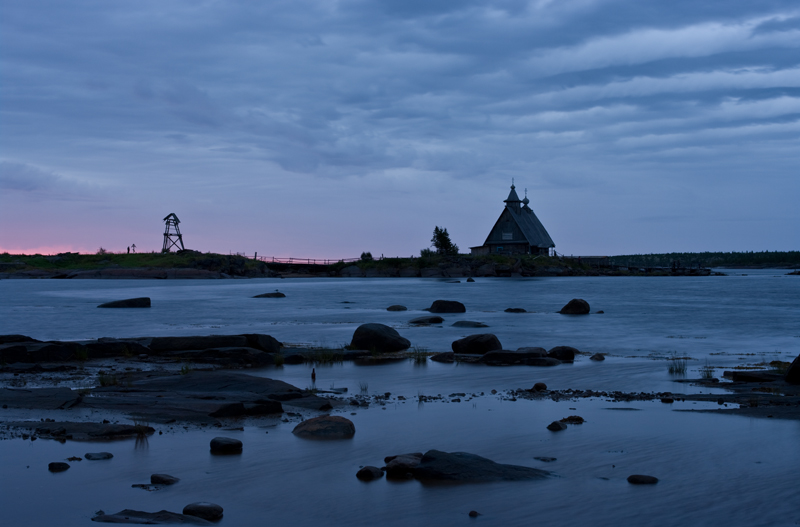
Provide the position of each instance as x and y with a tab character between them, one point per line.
526	220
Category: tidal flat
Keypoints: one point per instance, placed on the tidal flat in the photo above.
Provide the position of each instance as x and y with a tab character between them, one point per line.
713	467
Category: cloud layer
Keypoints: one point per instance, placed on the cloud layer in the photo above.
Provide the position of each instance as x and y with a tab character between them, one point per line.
636	127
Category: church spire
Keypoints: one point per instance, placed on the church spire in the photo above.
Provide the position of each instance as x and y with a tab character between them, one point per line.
512	200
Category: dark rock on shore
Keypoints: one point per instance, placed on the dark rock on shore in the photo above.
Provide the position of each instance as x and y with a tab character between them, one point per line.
226	445
98	456
793	373
477	344
469	324
515	310
638	479
447	306
369	473
325	427
58	466
276	294
163	479
426	320
378	337
131	302
83	431
563	353
151	518
6	339
205	510
539	387
576	306
397	308
461	466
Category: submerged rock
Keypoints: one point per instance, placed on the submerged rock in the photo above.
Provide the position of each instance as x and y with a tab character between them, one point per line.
445	357
150	518
378	337
477	344
403	465
469	324
326	427
276	294
130	302
597	357
447	306
226	445
426	320
638	479
98	456
576	306
397	308
203	509
463	466
515	310
369	473
556	426
163	479
58	466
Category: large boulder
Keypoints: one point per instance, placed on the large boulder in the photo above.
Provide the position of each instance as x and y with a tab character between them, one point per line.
563	353
576	306
462	466
477	344
378	337
793	373
131	302
447	306
326	427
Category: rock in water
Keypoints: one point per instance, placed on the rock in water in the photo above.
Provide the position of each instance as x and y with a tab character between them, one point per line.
131	302
378	337
98	456
326	427
563	353
477	344
515	310
427	320
397	308
576	306
205	510
163	479
369	473
149	518
793	373
447	306
462	466
403	465
638	479
226	445
597	357
556	426
276	294
539	387
58	466
469	324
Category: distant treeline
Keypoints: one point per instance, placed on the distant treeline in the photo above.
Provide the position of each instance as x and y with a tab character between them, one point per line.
709	259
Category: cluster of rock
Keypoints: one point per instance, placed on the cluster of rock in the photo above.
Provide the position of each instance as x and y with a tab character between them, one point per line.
486	348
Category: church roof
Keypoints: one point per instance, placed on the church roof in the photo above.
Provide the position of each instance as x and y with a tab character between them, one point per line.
533	230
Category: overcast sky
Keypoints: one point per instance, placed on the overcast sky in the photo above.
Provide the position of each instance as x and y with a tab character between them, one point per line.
326	128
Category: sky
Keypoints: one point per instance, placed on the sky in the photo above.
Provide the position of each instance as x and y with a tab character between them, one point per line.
321	129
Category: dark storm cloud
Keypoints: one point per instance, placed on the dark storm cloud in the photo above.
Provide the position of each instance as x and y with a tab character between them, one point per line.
580	93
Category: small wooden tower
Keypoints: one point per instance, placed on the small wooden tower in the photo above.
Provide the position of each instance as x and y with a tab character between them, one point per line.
172	239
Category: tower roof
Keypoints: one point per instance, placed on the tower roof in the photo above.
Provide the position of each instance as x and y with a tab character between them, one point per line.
512	196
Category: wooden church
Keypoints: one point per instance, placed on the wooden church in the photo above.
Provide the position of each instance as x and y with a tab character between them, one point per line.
517	231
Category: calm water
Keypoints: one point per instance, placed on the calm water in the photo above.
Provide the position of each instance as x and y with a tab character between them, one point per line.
714	469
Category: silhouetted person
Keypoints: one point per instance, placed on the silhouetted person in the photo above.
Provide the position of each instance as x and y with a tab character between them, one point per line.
129	250
313	375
